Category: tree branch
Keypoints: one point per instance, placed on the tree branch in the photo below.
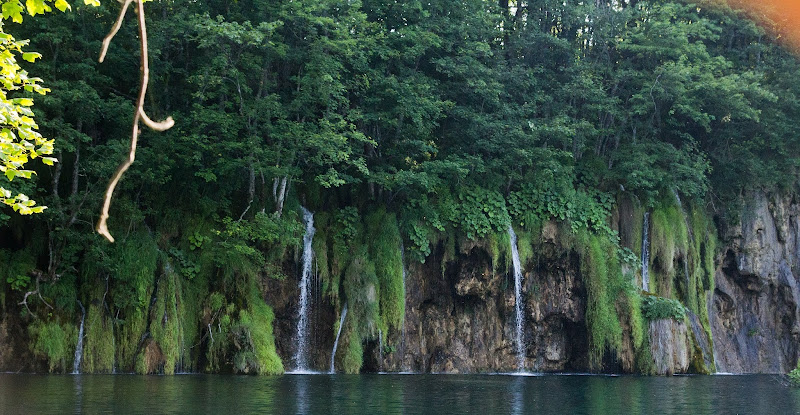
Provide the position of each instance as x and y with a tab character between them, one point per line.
102	227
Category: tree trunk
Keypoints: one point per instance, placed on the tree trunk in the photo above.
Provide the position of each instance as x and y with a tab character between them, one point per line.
281	197
251	190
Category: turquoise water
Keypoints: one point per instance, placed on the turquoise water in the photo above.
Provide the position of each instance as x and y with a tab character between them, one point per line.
396	394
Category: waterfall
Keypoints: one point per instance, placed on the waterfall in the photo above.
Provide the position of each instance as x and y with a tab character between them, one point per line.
701	340
646	252
336	342
300	357
520	348
76	365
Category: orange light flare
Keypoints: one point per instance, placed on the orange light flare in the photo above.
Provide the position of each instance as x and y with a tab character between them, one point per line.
780	18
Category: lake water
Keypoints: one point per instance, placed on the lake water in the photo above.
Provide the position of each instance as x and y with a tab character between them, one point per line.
406	394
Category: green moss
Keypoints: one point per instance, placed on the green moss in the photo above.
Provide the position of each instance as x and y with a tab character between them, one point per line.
132	267
632	303
602	276
130	331
165	323
524	247
253	332
668	237
53	343
704	248
385	251
353	357
494	244
219	334
190	313
98	353
645	364
320	247
241	339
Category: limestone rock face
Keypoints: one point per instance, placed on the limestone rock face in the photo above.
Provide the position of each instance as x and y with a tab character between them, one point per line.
460	317
754	313
669	345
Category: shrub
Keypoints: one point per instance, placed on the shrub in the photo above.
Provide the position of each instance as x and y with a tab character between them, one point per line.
657	308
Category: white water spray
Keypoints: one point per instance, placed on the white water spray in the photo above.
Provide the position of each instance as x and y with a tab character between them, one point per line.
336	343
300	357
519	346
76	365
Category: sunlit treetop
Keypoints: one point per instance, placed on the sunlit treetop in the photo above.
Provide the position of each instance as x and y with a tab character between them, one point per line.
20	142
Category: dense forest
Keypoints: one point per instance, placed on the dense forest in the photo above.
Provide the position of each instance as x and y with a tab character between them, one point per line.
421	124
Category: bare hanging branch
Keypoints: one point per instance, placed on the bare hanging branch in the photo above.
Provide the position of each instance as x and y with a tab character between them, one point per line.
114	30
102	228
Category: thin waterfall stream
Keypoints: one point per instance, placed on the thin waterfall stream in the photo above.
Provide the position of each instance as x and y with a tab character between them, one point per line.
300	358
519	344
76	364
336	342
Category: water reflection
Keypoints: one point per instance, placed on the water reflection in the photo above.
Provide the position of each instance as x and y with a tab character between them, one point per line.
517	399
78	382
396	394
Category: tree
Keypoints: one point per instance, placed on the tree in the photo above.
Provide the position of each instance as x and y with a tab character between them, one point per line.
20	142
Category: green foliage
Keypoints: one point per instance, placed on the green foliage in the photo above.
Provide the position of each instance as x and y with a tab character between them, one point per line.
132	264
20	141
353	357
253	332
130	331
385	247
53	343
188	268
165	321
479	212
16	273
602	275
98	352
554	197
197	240
669	239
657	308
794	376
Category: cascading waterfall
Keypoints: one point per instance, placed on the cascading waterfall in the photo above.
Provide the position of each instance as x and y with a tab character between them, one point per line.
300	359
336	342
76	365
520	348
646	252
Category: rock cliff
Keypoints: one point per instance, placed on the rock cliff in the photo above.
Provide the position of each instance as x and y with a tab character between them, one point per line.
754	312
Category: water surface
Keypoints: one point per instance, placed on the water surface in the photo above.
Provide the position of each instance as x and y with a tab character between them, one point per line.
396	394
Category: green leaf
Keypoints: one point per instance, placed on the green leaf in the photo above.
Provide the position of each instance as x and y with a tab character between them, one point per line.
36	7
62	5
12	10
31	56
